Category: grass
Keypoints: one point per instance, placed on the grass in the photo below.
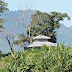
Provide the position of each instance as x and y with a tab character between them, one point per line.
46	59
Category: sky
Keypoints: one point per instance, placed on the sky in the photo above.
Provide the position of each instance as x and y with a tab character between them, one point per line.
63	6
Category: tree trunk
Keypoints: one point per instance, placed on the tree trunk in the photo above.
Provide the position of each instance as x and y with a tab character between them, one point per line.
10	46
11	49
30	37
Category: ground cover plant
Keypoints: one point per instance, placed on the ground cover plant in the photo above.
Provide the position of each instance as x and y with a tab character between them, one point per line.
46	59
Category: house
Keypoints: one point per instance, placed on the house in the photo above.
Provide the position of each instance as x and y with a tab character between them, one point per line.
38	42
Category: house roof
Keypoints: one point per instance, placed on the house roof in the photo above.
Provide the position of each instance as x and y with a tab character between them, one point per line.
39	44
41	37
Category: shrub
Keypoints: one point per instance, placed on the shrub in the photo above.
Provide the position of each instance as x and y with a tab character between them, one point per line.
46	59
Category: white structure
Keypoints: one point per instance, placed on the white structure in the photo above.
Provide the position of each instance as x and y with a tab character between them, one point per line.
39	41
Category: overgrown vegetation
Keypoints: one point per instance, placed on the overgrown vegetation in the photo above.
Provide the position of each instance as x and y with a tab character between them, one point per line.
3	6
46	59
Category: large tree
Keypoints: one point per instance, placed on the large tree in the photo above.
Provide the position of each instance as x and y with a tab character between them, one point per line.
5	33
3	6
23	23
46	23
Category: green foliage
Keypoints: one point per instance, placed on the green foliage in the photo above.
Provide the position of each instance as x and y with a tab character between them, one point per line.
18	63
4	59
46	23
22	39
46	59
52	59
3	70
2	8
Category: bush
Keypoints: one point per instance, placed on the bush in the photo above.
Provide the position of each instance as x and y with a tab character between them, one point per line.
3	70
51	58
46	59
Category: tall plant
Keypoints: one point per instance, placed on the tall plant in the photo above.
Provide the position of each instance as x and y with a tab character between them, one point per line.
46	59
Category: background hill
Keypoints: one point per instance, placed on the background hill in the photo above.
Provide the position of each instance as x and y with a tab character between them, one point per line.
70	28
64	34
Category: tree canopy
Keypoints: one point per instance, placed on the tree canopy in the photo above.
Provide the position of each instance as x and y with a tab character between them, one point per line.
46	23
3	6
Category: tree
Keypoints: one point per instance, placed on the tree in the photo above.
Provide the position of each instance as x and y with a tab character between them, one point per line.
46	23
22	39
10	34
3	6
23	23
5	33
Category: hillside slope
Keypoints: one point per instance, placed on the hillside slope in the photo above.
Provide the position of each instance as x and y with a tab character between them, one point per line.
64	34
70	28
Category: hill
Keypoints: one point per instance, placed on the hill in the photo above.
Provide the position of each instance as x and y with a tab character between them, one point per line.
64	34
70	28
10	16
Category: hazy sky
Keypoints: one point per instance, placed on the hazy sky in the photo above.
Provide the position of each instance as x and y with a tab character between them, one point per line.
64	6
